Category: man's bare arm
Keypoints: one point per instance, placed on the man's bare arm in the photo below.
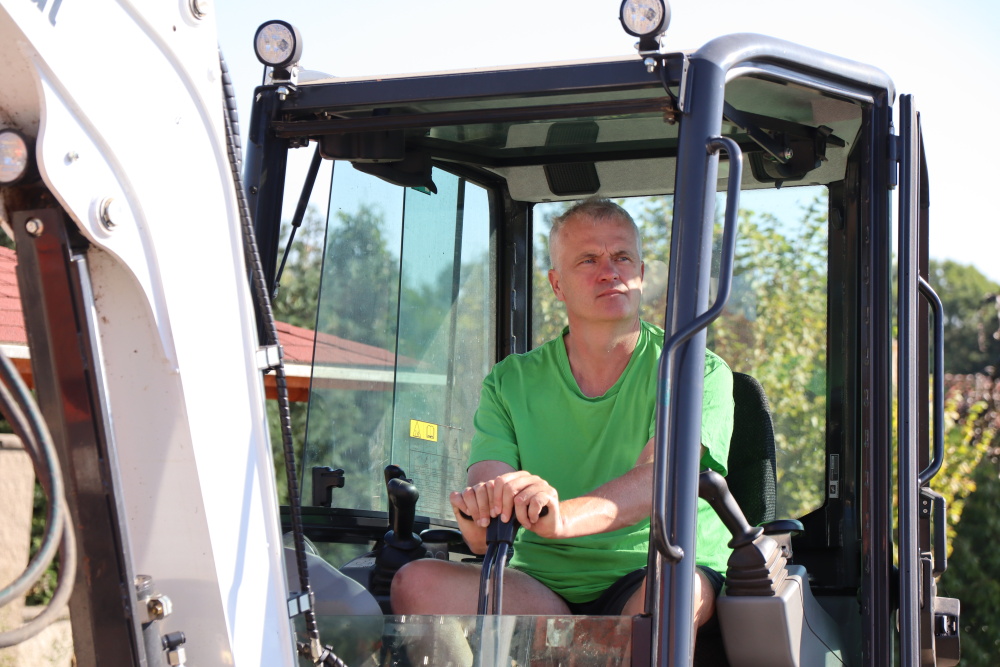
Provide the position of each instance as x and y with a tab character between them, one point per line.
621	502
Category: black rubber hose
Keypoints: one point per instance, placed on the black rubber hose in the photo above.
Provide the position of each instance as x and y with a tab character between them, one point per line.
263	300
21	411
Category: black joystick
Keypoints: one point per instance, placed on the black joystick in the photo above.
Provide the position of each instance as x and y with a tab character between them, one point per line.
403	497
400	544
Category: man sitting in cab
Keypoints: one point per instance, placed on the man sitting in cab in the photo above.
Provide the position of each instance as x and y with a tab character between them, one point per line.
569	426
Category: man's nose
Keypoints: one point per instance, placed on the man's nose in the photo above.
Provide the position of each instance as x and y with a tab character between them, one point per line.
609	268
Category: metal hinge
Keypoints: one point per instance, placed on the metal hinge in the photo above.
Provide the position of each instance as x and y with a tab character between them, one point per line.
895	150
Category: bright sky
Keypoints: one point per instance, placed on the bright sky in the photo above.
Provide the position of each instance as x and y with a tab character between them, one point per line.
941	53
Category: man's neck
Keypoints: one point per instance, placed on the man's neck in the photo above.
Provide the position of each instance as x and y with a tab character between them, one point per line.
599	353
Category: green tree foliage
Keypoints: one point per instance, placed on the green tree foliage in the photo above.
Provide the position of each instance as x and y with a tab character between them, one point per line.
971	424
970	483
297	296
43	589
774	329
970	304
973	574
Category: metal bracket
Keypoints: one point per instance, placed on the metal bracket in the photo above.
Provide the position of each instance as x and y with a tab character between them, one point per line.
269	357
682	96
298	603
280	76
324	480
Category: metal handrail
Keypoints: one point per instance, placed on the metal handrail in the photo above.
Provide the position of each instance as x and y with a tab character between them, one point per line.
934	301
664	458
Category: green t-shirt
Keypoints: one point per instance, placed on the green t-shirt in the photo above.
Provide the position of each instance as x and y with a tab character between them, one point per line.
533	416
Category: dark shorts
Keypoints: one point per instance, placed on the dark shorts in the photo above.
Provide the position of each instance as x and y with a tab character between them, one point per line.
613	600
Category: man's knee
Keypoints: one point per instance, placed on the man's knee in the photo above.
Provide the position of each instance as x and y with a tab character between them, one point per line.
410	585
433	586
704	596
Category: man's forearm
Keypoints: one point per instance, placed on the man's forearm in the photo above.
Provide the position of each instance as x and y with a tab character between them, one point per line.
622	502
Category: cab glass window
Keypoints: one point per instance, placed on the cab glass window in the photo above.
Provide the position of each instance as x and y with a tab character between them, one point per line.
405	335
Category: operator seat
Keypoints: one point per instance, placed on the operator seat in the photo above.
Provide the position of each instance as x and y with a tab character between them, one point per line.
751	464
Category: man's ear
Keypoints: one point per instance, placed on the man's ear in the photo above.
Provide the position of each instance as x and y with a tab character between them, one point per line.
642	270
554	281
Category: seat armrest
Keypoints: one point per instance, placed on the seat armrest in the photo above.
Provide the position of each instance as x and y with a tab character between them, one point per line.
779	526
781	531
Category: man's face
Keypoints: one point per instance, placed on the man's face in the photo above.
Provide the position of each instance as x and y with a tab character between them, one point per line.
597	270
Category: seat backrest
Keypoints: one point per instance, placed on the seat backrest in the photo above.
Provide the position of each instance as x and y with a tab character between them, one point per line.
751	475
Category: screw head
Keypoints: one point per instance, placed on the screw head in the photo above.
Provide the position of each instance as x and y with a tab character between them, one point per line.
34	227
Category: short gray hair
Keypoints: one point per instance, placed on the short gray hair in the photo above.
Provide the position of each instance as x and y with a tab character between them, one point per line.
595	208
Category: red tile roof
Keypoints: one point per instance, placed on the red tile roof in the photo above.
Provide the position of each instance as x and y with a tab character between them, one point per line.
297	342
332	350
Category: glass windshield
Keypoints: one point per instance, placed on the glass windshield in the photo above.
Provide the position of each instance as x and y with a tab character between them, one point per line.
774	327
377	641
405	335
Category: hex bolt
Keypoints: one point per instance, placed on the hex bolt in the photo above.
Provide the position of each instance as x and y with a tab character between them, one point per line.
72	157
34	227
282	92
159	607
156	608
112	212
199	8
650	64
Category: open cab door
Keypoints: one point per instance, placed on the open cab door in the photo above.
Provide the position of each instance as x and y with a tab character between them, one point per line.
928	624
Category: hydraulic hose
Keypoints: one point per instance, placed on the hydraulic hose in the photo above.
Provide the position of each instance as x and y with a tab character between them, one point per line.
263	300
21	411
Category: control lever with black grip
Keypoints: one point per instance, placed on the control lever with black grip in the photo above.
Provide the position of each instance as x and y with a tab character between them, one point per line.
499	540
400	544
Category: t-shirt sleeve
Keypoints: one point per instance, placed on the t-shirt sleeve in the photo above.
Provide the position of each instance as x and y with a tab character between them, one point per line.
717	414
494	439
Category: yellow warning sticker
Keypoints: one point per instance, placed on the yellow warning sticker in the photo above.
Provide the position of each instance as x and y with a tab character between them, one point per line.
423	430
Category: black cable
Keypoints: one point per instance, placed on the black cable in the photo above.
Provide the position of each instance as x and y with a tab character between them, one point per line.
666	85
263	300
21	411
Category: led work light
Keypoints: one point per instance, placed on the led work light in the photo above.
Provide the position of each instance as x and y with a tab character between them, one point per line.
278	44
14	157
645	19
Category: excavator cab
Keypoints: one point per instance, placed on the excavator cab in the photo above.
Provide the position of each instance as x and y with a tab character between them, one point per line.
761	174
782	195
